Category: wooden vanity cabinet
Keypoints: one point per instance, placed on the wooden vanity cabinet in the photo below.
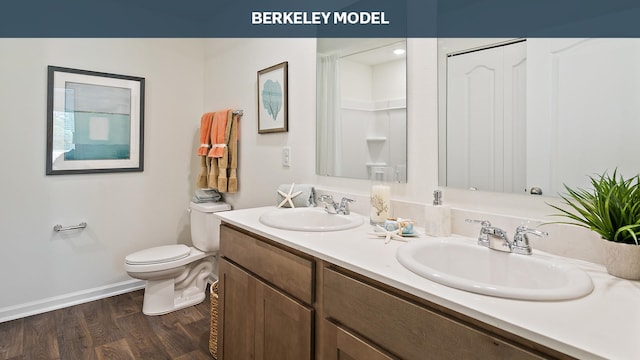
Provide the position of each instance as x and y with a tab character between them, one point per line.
280	303
265	300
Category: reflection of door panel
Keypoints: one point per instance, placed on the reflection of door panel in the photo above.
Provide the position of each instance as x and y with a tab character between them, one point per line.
515	118
485	118
590	87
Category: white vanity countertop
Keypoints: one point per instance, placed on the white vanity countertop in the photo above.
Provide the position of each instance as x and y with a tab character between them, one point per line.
604	324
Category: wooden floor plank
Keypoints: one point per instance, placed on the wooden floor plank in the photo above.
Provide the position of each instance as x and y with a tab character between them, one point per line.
74	337
194	355
40	337
190	314
199	333
100	322
142	337
124	304
173	337
117	350
11	339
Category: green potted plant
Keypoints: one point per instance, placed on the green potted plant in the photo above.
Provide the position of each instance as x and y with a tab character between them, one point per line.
611	209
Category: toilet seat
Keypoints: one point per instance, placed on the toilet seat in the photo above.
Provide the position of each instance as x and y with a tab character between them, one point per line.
158	255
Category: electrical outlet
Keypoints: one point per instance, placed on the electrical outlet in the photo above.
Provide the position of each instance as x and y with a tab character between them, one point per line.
286	156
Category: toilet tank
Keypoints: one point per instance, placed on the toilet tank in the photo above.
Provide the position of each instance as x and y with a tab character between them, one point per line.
205	226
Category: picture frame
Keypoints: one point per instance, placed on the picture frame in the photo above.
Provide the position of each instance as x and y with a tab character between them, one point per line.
95	122
273	99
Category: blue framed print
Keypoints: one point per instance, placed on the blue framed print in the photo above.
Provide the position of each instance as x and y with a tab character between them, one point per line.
95	122
272	99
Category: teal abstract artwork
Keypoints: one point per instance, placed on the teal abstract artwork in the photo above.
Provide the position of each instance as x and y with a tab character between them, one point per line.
95	122
272	98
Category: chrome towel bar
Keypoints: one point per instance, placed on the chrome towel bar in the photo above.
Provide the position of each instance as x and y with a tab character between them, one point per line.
59	227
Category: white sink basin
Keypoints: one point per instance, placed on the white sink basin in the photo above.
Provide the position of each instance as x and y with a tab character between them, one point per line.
309	219
464	265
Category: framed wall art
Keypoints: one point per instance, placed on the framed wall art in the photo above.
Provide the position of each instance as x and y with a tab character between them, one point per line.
95	122
272	99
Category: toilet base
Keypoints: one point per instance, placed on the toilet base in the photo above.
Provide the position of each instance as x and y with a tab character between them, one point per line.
160	297
167	295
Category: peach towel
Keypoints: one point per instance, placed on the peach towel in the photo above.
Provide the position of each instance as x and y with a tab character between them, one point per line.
218	131
203	149
205	133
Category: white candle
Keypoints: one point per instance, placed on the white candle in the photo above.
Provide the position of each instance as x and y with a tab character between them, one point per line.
380	203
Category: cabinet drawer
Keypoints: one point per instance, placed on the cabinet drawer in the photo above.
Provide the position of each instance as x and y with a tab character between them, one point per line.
287	271
408	330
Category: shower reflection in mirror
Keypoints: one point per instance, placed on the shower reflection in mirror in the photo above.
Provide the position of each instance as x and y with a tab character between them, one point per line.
361	107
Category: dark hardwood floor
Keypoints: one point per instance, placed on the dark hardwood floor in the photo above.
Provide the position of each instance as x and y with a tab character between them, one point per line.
112	328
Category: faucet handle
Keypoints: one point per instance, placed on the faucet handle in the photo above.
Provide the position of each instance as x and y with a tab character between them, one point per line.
483	238
344	206
345	201
484	223
523	230
521	241
324	197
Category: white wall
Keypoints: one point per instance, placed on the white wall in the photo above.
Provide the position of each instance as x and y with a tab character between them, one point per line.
387	85
356	81
125	212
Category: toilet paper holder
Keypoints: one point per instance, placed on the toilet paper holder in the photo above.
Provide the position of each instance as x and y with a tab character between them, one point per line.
59	227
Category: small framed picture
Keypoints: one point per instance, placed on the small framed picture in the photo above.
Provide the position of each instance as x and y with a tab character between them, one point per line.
272	99
95	122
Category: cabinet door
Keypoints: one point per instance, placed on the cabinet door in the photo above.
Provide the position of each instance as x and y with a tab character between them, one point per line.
283	326
259	322
341	344
236	313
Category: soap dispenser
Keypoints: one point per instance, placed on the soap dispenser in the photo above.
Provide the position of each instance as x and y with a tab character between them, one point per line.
437	216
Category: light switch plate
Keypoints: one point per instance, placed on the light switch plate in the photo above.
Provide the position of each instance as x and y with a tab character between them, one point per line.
286	156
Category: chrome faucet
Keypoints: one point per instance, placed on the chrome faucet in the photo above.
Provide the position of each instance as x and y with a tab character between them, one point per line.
333	207
492	237
497	239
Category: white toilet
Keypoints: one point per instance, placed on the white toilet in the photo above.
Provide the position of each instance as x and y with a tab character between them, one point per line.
177	275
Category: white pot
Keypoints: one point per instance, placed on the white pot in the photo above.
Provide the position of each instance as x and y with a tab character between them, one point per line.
622	260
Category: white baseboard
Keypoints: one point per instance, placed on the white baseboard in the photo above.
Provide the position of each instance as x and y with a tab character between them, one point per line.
62	301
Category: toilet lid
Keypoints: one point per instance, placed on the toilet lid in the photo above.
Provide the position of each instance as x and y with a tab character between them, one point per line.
158	254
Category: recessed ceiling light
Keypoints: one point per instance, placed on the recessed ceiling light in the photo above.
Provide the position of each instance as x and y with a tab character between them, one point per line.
398	51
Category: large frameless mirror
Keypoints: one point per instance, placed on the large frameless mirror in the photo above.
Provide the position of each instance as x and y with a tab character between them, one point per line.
361	115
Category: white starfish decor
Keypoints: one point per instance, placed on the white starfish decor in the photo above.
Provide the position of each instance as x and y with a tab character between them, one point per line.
288	196
388	235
